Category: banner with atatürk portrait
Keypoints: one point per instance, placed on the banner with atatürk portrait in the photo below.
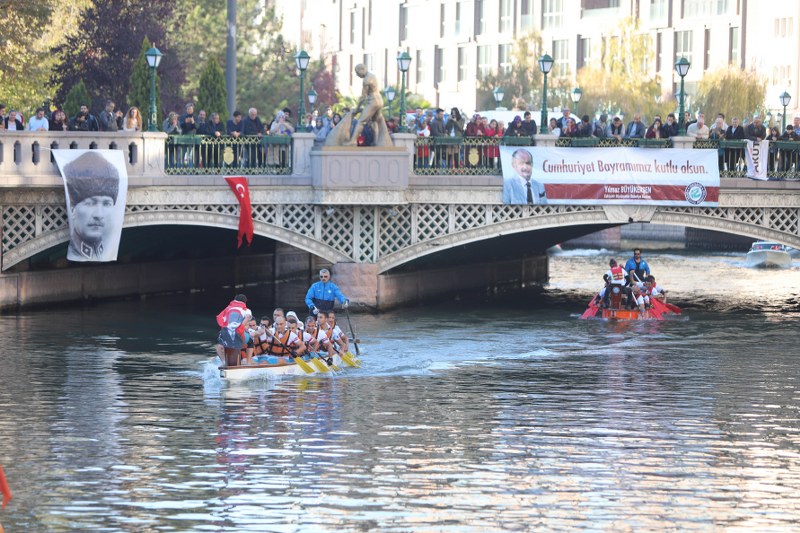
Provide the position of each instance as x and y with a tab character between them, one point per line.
96	186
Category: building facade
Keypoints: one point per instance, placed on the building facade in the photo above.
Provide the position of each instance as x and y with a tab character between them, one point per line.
453	43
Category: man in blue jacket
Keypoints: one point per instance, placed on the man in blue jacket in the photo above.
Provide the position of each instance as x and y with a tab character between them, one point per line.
322	294
636	267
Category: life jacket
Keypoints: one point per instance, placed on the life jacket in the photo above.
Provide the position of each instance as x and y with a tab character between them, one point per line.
277	349
616	273
260	346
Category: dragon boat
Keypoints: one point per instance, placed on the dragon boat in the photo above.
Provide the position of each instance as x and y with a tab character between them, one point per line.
272	366
617	310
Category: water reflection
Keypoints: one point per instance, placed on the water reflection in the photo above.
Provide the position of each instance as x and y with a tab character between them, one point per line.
493	416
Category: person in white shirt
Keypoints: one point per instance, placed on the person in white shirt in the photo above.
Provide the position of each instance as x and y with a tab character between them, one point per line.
698	130
39	122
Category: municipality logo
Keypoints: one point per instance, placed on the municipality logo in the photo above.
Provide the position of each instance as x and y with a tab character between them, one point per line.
695	193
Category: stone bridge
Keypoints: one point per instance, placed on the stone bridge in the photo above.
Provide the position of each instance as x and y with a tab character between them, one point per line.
366	212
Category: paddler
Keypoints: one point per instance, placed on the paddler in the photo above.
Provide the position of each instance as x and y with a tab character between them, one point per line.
617	275
309	342
232	322
341	338
282	342
326	337
322	294
637	268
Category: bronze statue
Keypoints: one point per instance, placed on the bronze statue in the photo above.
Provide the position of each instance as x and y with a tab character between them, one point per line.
368	111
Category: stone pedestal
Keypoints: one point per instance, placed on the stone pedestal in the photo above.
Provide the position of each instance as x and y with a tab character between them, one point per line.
360	175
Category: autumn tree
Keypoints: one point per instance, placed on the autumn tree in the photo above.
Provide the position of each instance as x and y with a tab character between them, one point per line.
732	91
105	47
521	82
621	81
25	61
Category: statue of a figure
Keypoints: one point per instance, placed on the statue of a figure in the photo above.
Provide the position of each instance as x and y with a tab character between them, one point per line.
368	111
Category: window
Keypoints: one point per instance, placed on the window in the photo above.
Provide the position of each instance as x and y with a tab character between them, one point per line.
683	45
733	50
369	62
599	4
443	20
552	15
352	27
403	22
440	66
707	49
369	17
659	51
459	22
526	15
462	63
707	8
506	20
658	10
504	58
561	58
420	67
480	18
584	51
484	61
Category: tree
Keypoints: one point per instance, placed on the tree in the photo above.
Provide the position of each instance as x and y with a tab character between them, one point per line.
266	75
25	61
106	45
212	95
139	93
76	97
521	80
621	82
731	91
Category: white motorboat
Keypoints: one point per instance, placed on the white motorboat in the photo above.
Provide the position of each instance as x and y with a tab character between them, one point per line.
769	255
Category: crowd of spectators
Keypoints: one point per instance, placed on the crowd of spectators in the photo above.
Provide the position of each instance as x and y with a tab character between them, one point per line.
426	124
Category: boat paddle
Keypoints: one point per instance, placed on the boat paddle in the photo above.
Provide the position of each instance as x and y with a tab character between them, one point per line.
592	311
352	331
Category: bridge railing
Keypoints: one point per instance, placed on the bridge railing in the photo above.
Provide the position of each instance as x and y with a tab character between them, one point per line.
481	155
200	154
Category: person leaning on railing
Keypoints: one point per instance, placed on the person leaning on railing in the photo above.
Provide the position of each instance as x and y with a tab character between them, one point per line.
773	135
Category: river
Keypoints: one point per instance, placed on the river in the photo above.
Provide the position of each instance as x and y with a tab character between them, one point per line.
469	416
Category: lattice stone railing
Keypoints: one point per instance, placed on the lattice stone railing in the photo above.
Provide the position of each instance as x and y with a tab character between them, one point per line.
367	234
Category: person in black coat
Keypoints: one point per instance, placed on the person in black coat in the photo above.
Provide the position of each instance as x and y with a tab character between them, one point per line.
84	121
735	132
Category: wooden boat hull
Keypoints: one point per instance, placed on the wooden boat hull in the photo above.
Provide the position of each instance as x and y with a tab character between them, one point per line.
626	314
283	367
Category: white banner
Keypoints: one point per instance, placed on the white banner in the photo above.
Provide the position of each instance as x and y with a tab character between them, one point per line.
621	176
96	186
757	155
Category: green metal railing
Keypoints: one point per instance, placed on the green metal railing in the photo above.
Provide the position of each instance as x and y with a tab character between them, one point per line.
202	155
462	156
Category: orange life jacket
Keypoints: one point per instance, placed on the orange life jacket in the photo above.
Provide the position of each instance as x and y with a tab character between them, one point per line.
277	349
616	273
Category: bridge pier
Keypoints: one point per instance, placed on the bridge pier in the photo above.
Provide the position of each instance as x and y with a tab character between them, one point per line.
364	285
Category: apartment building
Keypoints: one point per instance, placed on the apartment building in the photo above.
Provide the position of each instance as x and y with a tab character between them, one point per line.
453	43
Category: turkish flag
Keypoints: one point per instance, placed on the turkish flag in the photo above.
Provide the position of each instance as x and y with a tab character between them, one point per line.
4	490
239	187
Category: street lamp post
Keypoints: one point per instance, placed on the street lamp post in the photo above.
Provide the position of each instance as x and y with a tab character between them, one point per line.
390	94
153	57
312	99
498	94
403	63
545	64
785	99
682	68
575	95
301	61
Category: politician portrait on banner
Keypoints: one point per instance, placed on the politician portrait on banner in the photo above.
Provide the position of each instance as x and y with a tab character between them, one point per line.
96	186
519	186
610	176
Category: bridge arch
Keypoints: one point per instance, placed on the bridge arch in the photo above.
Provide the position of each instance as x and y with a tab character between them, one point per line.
50	239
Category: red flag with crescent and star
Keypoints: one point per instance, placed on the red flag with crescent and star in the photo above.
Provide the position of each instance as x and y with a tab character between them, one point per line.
239	187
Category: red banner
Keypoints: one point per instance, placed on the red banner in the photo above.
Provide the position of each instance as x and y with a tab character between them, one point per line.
239	187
